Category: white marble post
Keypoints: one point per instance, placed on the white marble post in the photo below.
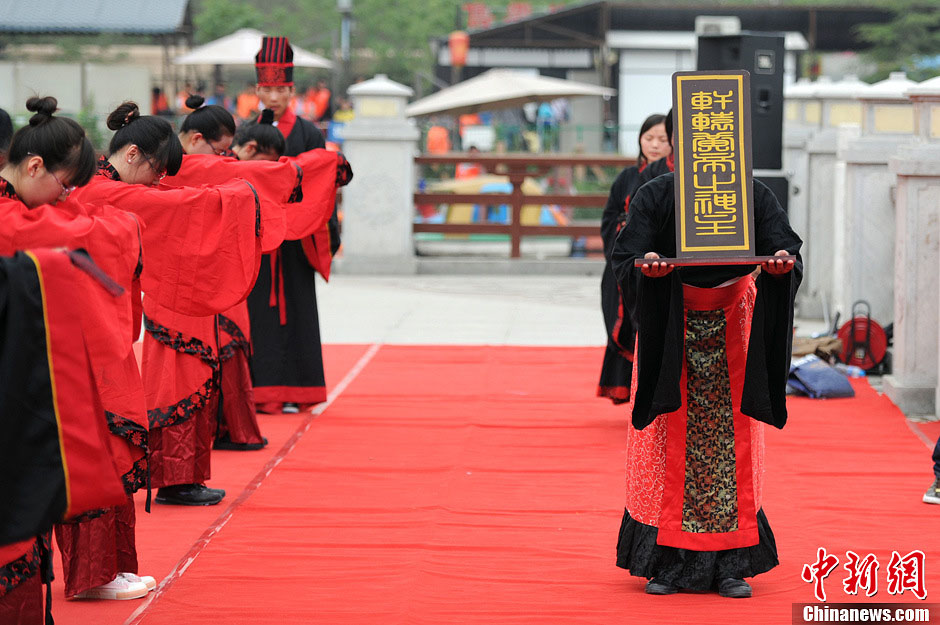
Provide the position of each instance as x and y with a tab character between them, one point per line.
912	386
865	270
832	106
378	207
796	134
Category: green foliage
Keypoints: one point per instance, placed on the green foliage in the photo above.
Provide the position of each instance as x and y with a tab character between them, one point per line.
394	37
912	36
216	18
87	119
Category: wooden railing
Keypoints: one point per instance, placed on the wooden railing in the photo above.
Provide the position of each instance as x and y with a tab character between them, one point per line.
517	167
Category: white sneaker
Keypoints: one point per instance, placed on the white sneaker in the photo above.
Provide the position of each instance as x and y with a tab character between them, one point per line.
933	493
118	588
146	580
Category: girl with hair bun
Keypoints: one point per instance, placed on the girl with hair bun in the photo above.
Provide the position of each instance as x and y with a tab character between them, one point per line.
143	149
617	368
202	252
209	129
296	198
202	247
99	556
259	140
47	155
48	158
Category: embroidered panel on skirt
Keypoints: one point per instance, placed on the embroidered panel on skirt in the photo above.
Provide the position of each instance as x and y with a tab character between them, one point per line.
711	493
12	574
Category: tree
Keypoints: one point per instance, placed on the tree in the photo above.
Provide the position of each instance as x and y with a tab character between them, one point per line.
217	18
907	41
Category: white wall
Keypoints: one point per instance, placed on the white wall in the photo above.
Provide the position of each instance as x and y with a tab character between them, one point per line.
646	88
73	85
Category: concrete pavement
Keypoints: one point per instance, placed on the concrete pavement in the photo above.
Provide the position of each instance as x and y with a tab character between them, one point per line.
485	310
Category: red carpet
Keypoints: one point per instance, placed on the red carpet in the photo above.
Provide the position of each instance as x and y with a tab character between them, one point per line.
485	485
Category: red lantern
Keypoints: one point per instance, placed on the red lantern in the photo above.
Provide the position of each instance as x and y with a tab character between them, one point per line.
459	43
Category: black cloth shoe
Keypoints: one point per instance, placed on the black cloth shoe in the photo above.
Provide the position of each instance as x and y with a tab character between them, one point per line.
734	588
189	495
226	443
290	407
658	587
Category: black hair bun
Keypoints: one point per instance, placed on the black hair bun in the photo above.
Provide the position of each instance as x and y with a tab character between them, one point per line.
194	101
123	115
267	117
43	107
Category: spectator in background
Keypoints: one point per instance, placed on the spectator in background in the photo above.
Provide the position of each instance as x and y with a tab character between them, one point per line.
308	109
158	103
345	112
181	96
246	105
469	170
219	98
546	123
509	126
6	133
465	120
322	102
438	141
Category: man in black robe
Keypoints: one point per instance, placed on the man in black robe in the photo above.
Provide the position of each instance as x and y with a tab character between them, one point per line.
287	360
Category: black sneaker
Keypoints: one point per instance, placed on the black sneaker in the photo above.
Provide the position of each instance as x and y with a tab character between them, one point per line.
226	443
189	495
658	587
734	588
933	493
290	407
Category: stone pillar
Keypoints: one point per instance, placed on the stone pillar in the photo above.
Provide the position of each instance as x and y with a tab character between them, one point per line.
866	267
378	208
912	385
837	107
797	132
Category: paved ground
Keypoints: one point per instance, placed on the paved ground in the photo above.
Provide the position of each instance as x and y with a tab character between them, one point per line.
488	310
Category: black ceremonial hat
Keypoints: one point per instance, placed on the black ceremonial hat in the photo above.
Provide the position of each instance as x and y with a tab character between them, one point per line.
274	63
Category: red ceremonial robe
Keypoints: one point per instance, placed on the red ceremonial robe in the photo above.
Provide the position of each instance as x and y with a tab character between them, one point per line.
111	237
220	225
297	196
90	544
54	457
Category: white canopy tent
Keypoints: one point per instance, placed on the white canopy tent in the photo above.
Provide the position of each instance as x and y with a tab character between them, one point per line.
240	48
498	89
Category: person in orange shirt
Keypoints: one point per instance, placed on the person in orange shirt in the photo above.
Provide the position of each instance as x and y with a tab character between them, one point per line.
438	140
469	170
246	105
322	102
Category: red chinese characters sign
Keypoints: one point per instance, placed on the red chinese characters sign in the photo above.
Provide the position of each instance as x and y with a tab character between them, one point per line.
712	142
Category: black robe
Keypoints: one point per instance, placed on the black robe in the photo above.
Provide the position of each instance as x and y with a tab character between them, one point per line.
656	304
617	368
287	359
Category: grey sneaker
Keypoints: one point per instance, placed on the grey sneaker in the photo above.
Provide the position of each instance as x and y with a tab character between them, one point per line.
933	493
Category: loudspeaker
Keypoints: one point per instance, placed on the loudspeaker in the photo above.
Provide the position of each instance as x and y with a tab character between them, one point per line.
779	185
762	55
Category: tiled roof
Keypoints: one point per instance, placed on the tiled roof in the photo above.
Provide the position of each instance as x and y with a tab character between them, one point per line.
92	16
